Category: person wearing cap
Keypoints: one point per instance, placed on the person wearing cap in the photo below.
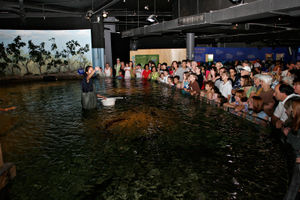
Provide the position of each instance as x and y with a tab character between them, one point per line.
117	67
244	71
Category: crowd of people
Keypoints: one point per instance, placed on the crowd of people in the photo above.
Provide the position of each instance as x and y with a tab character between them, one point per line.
266	90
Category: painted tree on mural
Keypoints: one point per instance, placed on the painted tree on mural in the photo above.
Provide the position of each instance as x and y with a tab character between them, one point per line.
57	56
14	53
70	51
4	60
38	54
12	56
82	59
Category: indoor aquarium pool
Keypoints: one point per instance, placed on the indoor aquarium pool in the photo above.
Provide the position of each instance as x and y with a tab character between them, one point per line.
154	144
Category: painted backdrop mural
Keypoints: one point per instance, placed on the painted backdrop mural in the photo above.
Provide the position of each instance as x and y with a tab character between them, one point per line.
43	52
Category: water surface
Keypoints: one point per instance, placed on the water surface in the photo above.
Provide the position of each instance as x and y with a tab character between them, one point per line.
155	144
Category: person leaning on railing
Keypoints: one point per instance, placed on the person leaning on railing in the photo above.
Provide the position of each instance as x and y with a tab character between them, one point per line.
292	132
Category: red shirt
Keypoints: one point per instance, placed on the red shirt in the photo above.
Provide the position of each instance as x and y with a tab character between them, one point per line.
146	73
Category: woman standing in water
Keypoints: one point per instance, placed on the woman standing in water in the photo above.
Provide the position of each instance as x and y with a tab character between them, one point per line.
88	95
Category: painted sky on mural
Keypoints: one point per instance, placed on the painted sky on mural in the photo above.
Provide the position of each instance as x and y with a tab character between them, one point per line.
38	36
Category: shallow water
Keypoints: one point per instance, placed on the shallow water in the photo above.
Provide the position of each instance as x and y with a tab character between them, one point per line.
155	144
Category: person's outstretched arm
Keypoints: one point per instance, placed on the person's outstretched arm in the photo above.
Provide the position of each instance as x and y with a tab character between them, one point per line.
99	96
7	109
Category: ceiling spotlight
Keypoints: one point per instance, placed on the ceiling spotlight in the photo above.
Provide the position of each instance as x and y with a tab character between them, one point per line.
152	18
104	14
236	1
146	7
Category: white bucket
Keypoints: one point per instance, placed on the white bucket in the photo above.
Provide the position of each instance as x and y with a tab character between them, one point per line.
110	101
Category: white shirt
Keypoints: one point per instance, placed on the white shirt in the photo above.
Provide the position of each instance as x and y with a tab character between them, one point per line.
280	110
138	73
107	72
218	83
179	72
127	72
226	88
165	79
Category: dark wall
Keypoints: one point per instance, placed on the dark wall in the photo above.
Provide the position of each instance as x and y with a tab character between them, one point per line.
120	48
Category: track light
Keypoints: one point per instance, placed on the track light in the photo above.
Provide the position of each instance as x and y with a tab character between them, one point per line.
152	19
104	14
236	1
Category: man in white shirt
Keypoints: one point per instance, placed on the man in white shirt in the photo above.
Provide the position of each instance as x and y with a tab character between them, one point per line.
180	71
282	93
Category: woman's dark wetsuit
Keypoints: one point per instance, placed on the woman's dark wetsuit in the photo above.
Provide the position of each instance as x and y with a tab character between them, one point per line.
88	95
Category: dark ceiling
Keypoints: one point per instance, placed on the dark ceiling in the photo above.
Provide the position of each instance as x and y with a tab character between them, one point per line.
267	26
71	14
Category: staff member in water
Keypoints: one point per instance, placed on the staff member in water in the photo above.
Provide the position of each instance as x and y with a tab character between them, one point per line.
88	95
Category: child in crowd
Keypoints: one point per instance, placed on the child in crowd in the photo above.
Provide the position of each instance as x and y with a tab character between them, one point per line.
127	70
209	90
240	103
185	83
166	75
177	83
161	78
138	71
170	81
120	75
194	86
256	104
